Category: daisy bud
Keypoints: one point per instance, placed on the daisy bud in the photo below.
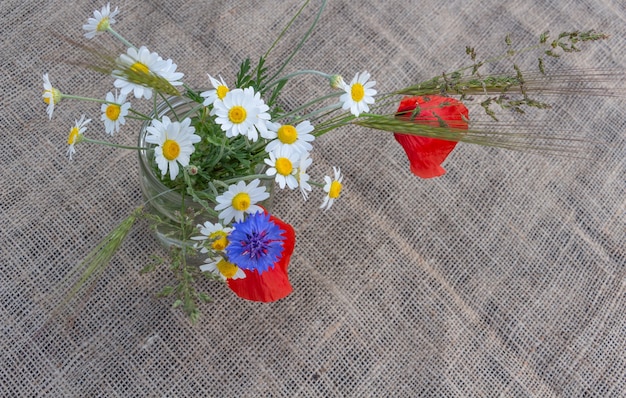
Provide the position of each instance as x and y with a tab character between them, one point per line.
336	82
192	170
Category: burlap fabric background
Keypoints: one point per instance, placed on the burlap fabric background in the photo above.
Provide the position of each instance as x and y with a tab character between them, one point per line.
505	277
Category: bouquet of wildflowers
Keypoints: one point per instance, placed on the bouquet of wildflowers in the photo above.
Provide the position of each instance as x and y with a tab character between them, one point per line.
231	144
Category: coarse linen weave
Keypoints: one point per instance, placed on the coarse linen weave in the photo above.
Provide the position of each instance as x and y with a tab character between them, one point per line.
506	277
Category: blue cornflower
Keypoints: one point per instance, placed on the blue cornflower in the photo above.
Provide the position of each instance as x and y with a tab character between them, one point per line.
255	243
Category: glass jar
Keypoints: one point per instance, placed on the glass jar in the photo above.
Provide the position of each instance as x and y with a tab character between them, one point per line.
164	202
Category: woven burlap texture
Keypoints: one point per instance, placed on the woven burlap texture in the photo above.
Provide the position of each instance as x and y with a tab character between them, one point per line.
504	277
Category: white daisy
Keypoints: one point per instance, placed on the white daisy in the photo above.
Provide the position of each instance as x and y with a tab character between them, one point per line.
242	112
76	134
240	199
295	139
51	95
102	20
303	177
168	72
332	188
222	268
282	164
358	94
263	117
218	93
141	70
175	143
216	235
113	112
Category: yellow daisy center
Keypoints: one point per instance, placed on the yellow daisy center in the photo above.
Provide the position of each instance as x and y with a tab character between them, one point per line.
287	134
284	166
171	149
220	241
357	92
237	114
56	96
103	24
71	140
227	269
112	111
335	190
221	91
139	68
241	201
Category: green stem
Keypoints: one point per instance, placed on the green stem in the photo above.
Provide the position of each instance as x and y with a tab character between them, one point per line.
308	104
282	33
508	54
298	73
505	55
245	178
311	115
316	184
183	224
326	127
77	97
193	111
85	139
155	105
120	38
347	118
157	195
302	41
139	115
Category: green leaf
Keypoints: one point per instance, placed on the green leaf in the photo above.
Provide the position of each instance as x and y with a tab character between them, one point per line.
166	291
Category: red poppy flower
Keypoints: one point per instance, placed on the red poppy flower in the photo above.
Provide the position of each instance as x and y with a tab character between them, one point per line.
272	284
426	154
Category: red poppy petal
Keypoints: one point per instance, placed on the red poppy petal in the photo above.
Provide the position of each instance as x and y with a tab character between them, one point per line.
427	154
272	284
